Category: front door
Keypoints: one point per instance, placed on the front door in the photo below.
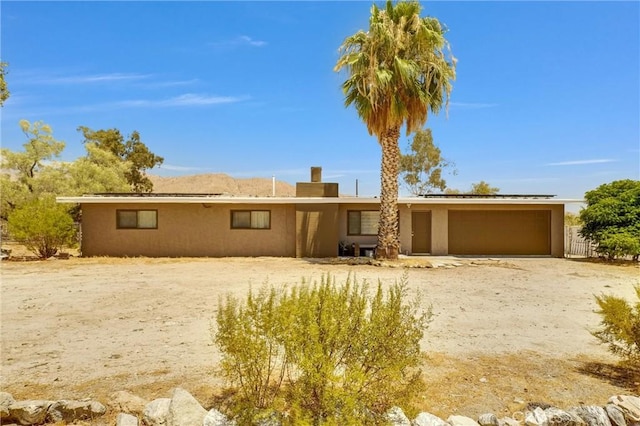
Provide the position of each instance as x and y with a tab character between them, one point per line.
420	232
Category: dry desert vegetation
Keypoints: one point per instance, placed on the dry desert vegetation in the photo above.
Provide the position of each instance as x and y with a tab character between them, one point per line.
505	331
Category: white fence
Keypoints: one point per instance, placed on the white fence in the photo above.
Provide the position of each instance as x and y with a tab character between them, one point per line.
575	245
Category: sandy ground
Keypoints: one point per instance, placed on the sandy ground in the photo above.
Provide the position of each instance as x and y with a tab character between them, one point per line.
87	327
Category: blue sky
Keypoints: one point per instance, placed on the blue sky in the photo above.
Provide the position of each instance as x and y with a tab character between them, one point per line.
546	98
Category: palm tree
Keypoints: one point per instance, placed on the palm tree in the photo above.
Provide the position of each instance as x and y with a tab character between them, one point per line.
398	71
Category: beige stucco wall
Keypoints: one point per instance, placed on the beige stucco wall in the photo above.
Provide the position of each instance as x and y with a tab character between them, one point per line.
302	230
316	231
187	230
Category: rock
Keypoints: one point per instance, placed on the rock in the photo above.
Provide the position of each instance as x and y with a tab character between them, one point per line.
29	412
536	417
488	419
461	421
508	421
395	416
428	419
557	417
5	401
216	418
124	419
630	406
592	415
72	411
184	410
156	412
616	415
125	402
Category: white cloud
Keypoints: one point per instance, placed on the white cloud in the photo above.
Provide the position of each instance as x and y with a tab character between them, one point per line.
242	40
188	99
581	162
89	79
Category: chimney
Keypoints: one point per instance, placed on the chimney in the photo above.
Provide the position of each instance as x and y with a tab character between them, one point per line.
316	174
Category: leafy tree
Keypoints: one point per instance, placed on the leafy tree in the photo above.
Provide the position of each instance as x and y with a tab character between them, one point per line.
571	219
42	226
612	218
4	90
399	70
422	168
483	188
35	172
133	151
20	170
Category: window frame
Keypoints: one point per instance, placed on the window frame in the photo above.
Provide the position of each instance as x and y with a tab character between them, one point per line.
349	212
137	211
232	212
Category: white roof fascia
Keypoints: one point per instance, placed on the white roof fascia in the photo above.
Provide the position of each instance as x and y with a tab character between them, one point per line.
306	200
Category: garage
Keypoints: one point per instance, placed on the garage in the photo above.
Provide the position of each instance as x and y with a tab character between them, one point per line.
499	232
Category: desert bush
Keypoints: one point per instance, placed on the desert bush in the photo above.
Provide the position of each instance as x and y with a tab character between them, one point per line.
42	226
322	352
620	326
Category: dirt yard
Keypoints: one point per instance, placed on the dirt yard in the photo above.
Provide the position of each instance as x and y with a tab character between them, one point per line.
505	331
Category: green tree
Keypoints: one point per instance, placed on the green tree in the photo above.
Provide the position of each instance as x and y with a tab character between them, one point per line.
133	151
483	188
42	226
572	219
422	167
399	70
4	90
20	170
35	172
612	218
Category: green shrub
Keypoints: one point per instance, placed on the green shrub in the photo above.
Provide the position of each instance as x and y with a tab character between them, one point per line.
42	226
324	353
620	326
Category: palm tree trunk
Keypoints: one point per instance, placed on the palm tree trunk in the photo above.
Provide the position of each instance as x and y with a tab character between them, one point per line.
388	230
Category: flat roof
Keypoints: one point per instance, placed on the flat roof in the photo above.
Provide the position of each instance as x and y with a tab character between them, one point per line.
226	199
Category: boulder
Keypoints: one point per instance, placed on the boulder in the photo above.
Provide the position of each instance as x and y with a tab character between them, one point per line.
592	415
125	419
156	412
461	421
184	410
616	415
216	418
29	412
428	419
536	417
126	402
508	421
5	401
630	406
72	411
558	417
395	416
488	419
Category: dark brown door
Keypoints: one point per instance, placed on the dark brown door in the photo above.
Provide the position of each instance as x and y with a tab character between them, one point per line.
420	232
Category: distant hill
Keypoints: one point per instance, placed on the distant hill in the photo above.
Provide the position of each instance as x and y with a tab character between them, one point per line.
220	183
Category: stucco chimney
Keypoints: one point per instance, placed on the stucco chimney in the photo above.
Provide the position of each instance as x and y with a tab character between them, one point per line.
316	174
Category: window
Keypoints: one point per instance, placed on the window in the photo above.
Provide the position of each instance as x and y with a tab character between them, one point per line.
137	219
250	219
364	222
